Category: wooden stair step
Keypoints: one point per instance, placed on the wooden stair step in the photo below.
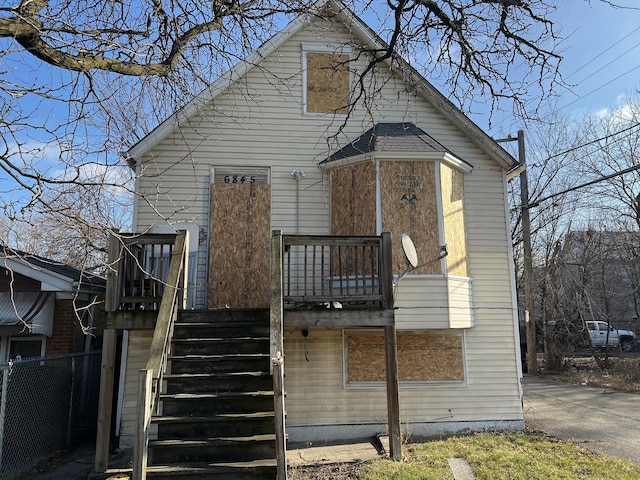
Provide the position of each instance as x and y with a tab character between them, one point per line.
205	396
258	374
214	441
220	339
214	357
247	470
212	418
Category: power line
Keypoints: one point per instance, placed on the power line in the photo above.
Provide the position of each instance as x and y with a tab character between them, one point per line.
587	63
538	201
612	61
600	87
605	51
606	137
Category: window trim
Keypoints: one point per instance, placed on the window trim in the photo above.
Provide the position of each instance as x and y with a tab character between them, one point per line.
28	338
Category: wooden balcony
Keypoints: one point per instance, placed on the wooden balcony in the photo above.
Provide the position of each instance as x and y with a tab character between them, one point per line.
336	280
137	279
325	280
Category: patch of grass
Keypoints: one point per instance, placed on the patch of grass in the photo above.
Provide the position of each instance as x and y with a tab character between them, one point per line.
511	455
494	456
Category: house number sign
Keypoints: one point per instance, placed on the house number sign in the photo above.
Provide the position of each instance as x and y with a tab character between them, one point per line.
241	176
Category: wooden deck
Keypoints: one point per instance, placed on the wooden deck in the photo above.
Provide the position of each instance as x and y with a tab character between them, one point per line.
316	280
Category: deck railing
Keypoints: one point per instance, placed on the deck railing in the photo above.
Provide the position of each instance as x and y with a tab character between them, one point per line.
173	299
139	268
330	270
313	271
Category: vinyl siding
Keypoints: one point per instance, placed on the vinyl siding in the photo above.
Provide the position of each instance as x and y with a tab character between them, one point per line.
137	355
259	122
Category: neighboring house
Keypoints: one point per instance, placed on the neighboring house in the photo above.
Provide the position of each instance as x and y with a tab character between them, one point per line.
44	306
272	145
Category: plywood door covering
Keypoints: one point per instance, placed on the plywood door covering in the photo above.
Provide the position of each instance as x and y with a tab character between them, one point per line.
239	246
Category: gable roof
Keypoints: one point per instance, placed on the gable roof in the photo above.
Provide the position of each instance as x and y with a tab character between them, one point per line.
365	34
53	275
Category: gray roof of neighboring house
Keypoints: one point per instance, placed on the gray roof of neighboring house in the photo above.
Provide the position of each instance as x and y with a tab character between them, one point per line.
40	263
390	137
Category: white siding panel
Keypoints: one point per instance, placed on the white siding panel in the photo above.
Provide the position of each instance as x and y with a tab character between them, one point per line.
422	303
460	295
137	356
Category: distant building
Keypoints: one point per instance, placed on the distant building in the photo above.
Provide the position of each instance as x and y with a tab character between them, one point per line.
45	307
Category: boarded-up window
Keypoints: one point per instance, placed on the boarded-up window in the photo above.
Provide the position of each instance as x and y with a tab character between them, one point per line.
409	205
422	357
452	185
353	200
327	89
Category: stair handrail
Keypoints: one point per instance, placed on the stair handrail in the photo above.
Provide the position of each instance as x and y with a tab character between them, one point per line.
151	375
277	350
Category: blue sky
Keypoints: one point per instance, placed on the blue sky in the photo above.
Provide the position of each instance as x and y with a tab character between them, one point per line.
601	62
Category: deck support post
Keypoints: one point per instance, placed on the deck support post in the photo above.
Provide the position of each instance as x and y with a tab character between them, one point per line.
393	402
277	350
106	399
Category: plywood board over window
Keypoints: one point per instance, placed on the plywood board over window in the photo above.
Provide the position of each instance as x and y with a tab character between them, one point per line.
327	89
409	205
452	181
353	200
421	357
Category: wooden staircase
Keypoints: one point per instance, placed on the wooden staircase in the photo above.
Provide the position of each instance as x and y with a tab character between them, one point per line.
217	400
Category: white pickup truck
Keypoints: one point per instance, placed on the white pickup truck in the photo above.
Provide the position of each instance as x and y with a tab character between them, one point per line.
602	334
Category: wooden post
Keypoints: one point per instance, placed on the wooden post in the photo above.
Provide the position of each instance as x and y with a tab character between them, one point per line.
277	351
393	402
112	297
278	403
527	271
141	440
386	271
276	313
106	399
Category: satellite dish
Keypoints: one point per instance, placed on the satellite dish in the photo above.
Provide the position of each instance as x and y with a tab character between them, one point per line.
409	250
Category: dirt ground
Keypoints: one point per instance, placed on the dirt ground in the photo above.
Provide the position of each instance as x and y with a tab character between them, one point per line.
339	471
614	373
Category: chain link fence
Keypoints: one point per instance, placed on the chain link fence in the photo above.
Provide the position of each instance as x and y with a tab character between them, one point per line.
45	405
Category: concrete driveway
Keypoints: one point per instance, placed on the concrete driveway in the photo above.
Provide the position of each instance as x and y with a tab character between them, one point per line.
602	421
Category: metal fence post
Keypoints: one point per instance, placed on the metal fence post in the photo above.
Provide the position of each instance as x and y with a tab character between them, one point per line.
3	405
71	393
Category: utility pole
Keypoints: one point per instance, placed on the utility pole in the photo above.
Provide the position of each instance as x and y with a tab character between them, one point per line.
530	322
530	318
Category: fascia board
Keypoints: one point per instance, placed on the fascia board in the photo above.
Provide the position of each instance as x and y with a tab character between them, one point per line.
445	157
50	281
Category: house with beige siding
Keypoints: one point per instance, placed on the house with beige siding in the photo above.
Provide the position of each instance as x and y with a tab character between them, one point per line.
290	141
